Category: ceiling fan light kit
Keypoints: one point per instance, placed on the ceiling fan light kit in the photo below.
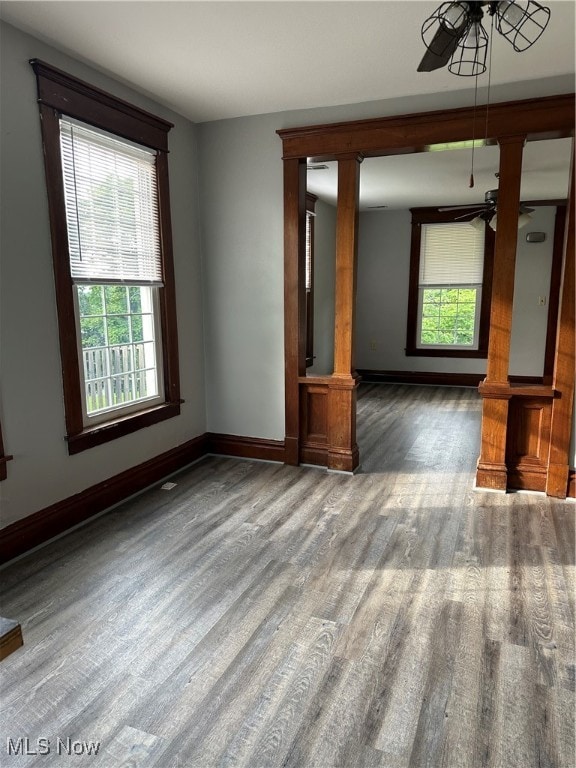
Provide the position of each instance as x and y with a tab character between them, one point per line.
469	58
454	35
477	222
521	26
523	219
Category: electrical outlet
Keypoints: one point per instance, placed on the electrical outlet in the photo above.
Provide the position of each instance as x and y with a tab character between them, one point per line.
541	301
373	346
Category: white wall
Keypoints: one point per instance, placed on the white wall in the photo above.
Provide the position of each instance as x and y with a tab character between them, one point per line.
324	288
32	408
531	281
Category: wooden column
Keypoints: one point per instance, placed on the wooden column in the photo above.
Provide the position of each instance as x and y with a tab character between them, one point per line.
563	403
342	448
294	305
495	390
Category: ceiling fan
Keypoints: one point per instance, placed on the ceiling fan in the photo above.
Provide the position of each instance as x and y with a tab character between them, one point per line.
486	212
454	35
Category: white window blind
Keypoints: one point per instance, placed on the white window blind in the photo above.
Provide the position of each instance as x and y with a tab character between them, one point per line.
451	254
111	207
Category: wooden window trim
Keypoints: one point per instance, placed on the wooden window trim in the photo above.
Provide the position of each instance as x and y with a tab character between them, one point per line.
59	93
434	216
311	200
4	459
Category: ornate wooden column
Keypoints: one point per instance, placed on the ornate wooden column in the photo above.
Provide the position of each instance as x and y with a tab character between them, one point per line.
294	305
563	403
342	448
495	389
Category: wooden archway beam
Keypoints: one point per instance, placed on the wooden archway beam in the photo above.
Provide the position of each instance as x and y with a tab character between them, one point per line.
547	118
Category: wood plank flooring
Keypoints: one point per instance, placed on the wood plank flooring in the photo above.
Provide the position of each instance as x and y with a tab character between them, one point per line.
263	615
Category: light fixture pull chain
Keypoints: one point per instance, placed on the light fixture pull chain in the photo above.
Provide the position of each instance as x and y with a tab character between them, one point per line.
471	184
489	79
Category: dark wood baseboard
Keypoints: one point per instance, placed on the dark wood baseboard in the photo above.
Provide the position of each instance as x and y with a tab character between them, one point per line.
435	378
572	484
245	447
314	454
421	377
10	637
43	525
527	479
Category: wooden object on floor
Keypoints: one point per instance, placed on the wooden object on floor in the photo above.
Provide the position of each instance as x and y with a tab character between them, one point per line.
10	637
271	615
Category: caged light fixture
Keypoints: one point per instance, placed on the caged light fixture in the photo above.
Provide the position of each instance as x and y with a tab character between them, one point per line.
454	34
455	37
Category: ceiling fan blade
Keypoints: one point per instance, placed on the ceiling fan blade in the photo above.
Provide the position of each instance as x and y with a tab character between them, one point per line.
441	47
479	206
479	212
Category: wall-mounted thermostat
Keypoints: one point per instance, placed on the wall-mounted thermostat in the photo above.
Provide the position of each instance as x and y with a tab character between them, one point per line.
535	237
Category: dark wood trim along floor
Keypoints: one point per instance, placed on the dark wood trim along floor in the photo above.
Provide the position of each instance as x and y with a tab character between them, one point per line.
436	378
51	521
25	534
245	447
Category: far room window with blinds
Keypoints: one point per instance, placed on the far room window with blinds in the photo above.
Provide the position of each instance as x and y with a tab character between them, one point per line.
115	263
450	286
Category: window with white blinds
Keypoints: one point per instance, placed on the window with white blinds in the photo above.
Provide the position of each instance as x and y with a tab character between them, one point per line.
450	286
111	199
451	254
106	164
111	207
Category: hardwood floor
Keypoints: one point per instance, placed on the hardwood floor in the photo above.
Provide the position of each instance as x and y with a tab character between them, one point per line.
265	615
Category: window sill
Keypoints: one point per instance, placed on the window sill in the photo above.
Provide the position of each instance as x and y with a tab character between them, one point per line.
111	430
434	352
